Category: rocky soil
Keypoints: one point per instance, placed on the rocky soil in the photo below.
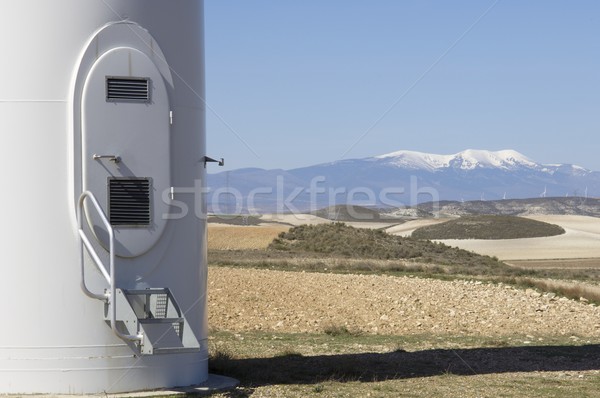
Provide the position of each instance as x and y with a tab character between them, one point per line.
278	301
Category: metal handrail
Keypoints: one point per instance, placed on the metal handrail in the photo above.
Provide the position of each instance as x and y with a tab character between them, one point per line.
110	278
84	241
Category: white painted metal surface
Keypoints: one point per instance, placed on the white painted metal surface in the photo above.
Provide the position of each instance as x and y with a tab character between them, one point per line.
53	119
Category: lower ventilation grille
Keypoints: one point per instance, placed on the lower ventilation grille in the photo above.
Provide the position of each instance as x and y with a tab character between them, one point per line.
129	201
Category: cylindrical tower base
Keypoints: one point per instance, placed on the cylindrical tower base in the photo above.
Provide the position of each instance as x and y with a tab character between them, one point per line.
54	116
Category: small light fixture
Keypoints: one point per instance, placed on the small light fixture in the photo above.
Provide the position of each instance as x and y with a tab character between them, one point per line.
208	159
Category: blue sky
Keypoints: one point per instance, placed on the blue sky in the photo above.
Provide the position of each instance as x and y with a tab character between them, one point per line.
293	83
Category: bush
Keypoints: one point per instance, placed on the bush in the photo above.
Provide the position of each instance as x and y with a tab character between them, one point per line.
339	239
488	227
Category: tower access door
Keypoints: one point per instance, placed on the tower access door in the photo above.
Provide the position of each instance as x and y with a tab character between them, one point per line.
125	148
126	160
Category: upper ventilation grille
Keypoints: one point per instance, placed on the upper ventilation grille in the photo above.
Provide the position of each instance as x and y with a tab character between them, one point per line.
129	201
127	89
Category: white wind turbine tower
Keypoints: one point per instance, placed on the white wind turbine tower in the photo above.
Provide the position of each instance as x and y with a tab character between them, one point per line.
118	299
543	195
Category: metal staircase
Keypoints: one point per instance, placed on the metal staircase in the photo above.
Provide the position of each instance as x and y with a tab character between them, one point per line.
149	319
155	315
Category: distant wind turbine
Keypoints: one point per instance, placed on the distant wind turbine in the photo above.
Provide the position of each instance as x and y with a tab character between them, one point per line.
543	195
504	197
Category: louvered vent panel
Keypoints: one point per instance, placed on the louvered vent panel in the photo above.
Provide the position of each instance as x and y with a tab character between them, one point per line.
127	89
129	201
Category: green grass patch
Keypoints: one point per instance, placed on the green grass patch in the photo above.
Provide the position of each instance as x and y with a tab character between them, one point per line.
322	362
488	227
354	213
338	330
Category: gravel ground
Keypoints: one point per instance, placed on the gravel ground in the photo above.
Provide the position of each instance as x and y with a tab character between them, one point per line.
278	301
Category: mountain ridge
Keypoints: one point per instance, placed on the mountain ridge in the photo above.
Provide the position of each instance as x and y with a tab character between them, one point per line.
401	178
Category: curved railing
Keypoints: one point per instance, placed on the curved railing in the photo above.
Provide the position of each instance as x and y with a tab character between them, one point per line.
109	295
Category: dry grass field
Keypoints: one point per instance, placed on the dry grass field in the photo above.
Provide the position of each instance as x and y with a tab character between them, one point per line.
345	327
579	246
409	227
232	237
223	236
299	334
310	219
564	263
581	240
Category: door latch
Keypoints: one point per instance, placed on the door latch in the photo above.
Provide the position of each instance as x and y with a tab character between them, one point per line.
112	158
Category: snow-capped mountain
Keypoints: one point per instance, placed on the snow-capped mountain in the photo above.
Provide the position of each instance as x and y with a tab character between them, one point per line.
401	178
466	160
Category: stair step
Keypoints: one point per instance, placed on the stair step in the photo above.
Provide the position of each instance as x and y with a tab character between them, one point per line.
155	315
179	350
161	320
162	336
154	290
